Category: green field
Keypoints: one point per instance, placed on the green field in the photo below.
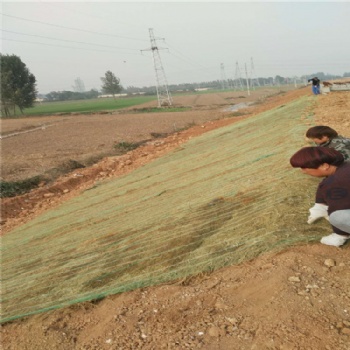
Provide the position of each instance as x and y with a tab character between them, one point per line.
86	105
94	105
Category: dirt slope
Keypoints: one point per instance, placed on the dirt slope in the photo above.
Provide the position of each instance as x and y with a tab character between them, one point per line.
296	299
15	211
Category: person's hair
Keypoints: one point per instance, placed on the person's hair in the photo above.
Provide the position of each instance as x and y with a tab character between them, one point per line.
317	132
313	157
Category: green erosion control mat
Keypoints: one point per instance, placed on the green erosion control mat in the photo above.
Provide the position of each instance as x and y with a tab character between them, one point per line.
222	198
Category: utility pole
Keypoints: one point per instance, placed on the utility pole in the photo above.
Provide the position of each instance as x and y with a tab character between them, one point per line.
238	81
247	79
163	94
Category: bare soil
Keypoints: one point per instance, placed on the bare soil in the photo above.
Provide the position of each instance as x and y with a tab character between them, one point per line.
296	299
34	145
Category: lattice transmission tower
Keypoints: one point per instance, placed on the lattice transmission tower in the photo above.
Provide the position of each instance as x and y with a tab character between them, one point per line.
238	79
224	83
247	79
254	81
163	94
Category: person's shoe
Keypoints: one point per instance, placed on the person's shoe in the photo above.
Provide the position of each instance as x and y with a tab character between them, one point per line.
334	239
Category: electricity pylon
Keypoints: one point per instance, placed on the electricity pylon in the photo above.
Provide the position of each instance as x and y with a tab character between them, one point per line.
247	79
224	83
253	79
238	81
164	97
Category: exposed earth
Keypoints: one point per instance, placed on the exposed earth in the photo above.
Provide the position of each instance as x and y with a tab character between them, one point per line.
296	299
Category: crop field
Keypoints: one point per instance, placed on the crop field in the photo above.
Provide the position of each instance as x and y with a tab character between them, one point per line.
97	104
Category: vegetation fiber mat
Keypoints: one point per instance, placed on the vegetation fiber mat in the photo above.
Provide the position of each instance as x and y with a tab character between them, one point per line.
222	198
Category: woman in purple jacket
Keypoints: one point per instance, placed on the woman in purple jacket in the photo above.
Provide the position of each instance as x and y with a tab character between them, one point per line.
333	192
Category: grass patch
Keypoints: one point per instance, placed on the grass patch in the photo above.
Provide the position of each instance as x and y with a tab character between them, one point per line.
236	114
16	188
125	147
158	135
64	168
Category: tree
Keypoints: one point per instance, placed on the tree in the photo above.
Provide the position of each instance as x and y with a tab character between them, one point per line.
111	84
279	80
78	85
18	85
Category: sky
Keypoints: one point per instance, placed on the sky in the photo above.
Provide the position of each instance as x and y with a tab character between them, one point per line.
197	41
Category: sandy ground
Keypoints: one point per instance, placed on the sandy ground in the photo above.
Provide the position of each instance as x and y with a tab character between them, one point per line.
296	299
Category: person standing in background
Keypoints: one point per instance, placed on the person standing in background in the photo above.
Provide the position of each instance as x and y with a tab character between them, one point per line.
315	84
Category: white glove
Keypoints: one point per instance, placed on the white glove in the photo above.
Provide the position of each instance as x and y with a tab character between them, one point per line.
318	211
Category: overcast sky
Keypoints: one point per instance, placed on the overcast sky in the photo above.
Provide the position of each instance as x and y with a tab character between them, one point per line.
61	41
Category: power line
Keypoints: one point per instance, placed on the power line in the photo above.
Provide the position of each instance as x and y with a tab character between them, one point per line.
70	28
71	41
94	16
184	57
67	47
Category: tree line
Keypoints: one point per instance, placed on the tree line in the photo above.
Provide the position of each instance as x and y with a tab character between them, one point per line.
71	95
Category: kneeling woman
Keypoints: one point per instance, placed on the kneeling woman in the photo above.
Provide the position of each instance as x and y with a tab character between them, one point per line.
333	192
